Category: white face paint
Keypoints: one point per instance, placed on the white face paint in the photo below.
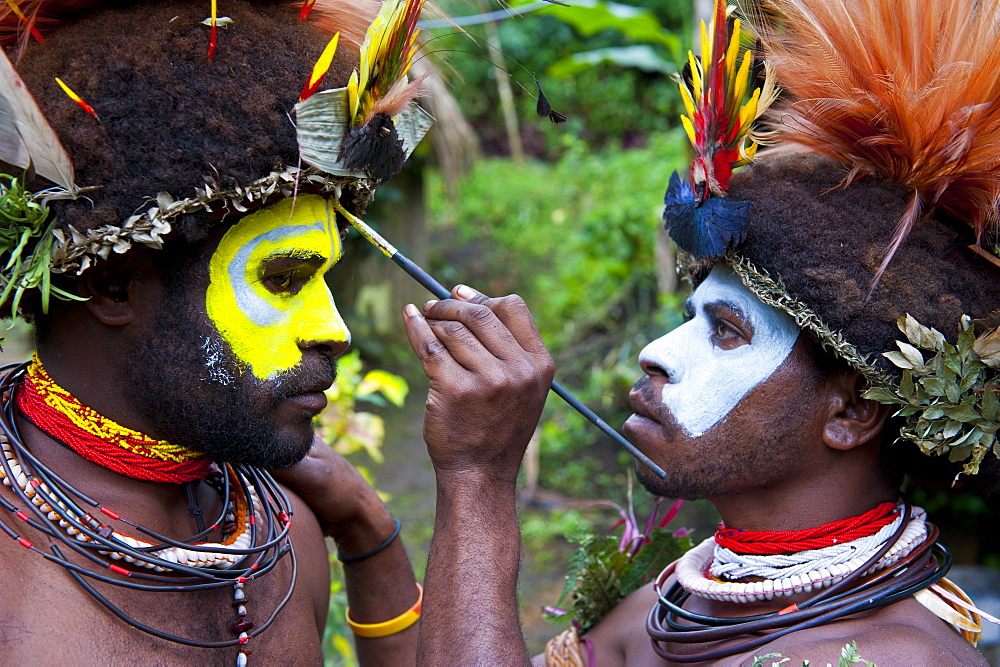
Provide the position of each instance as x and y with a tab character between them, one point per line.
706	381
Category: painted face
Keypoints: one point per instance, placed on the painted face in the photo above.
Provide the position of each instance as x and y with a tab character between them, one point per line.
267	294
732	343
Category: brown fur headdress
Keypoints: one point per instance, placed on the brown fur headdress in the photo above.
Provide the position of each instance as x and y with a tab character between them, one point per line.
167	115
873	220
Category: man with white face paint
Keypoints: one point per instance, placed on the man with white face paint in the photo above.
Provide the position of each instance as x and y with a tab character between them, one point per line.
816	370
709	376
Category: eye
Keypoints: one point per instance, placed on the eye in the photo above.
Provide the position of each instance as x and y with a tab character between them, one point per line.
289	281
286	274
730	328
282	280
723	330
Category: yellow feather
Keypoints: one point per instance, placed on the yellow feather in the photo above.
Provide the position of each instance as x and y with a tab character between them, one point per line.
695	76
352	95
689	128
686	98
741	79
749	110
747	152
706	45
325	60
733	51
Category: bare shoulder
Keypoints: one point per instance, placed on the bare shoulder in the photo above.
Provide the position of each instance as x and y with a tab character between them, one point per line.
905	633
620	638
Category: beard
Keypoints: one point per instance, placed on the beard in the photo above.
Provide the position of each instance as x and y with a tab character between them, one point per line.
740	450
192	390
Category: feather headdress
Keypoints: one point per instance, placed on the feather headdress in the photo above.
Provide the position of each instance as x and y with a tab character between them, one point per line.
236	149
905	91
885	179
723	98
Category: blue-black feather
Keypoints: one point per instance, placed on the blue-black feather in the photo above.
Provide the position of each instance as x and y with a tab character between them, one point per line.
707	229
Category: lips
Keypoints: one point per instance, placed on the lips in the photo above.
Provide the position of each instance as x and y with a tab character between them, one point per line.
639	407
311	401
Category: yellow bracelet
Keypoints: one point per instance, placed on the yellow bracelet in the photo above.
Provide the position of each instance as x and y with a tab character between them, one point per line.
392	626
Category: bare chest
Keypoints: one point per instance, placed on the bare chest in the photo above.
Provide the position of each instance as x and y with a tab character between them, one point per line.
48	618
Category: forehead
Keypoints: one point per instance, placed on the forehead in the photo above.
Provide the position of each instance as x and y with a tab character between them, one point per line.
724	286
303	227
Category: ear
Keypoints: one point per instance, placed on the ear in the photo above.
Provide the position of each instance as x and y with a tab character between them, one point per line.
852	420
109	288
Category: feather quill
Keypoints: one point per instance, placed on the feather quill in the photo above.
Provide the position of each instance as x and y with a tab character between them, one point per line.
904	90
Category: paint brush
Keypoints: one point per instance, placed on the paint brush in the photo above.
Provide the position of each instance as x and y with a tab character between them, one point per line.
439	290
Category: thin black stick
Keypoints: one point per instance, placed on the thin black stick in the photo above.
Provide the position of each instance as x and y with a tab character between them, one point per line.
441	292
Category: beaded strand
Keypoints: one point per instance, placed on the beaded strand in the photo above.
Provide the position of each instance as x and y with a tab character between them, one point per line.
693	568
53	508
101	440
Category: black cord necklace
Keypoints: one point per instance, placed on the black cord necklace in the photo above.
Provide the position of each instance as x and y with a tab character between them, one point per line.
918	570
58	510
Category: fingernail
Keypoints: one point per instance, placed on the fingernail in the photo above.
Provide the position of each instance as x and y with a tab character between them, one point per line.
429	304
465	292
410	310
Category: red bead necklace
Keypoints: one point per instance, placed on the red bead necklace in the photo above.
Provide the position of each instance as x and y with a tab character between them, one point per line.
99	439
791	541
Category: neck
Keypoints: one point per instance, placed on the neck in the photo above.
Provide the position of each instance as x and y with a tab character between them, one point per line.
161	507
98	382
55	411
840	490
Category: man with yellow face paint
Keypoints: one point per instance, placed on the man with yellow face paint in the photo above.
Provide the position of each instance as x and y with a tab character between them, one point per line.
191	357
267	295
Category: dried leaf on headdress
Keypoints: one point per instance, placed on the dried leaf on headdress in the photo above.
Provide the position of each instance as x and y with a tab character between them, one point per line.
26	138
372	142
987	347
903	90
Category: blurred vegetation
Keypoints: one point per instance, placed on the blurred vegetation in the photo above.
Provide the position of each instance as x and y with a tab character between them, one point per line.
602	64
574	237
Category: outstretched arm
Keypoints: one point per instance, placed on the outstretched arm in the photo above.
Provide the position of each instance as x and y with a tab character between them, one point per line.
489	376
379	587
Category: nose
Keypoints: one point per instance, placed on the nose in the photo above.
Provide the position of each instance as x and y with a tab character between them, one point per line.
328	347
321	328
659	359
653	370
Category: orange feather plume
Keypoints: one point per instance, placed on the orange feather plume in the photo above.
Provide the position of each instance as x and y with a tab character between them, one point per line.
903	90
350	18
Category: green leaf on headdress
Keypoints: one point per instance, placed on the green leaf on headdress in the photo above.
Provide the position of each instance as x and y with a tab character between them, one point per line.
27	236
949	398
991	404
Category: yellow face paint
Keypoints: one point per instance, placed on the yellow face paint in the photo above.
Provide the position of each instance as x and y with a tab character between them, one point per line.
266	294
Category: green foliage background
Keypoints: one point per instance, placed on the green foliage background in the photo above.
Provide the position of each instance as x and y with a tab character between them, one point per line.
574	237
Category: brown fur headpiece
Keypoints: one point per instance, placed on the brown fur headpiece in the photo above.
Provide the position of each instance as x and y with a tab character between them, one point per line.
171	119
873	221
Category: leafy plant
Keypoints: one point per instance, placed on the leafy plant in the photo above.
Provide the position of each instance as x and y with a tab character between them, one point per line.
341	424
639	26
618	55
576	240
605	569
951	399
26	240
348	431
848	656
